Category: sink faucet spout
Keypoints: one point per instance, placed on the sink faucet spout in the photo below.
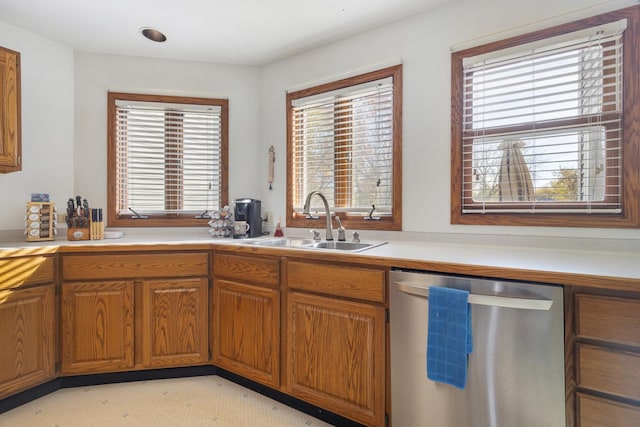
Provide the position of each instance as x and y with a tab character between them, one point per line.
307	207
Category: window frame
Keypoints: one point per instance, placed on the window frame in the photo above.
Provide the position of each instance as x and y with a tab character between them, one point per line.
160	220
629	176
351	221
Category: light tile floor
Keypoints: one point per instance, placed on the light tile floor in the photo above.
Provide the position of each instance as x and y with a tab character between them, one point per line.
196	401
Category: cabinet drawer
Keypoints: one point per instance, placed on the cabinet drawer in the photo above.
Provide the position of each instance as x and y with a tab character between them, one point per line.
596	412
609	371
263	271
133	265
22	271
345	281
608	318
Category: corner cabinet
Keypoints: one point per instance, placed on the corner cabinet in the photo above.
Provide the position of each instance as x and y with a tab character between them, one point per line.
134	311
335	338
10	112
27	316
246	317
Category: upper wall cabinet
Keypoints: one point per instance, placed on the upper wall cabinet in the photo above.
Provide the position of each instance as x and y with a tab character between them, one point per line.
10	127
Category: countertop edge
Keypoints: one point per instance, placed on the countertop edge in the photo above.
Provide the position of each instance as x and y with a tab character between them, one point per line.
498	262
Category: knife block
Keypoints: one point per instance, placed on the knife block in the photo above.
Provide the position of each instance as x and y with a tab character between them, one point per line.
78	233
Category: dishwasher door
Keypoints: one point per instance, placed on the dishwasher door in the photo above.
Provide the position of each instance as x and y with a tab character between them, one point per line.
515	372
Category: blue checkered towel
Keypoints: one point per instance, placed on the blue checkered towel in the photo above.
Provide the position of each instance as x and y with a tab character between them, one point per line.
449	340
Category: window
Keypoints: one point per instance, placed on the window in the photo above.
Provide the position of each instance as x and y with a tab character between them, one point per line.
542	127
344	140
167	159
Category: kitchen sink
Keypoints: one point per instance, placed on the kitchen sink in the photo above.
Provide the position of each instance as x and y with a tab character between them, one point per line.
302	243
344	246
284	242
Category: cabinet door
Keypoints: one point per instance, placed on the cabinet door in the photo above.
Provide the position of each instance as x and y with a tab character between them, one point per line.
174	322
97	327
246	333
27	338
10	124
336	356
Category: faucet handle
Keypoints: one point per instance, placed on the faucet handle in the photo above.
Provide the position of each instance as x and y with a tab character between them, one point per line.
341	230
356	237
316	234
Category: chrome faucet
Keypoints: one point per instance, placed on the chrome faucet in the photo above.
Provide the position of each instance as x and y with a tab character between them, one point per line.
307	204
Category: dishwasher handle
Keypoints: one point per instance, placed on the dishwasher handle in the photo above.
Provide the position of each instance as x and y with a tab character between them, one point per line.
491	300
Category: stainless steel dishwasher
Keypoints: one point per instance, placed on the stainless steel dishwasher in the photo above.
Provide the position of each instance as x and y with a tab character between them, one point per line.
515	373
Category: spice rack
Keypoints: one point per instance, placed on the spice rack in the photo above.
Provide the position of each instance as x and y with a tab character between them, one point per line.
40	222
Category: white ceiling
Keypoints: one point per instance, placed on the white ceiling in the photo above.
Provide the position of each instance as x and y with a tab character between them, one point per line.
250	32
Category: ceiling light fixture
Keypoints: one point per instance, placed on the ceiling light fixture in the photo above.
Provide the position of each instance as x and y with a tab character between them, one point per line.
153	35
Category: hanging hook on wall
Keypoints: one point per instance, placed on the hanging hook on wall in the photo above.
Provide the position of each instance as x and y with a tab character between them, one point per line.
272	161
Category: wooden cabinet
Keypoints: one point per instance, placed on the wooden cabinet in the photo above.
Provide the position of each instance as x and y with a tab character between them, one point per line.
27	338
335	348
246	317
599	412
97	327
174	322
126	311
334	330
27	319
607	358
134	311
10	112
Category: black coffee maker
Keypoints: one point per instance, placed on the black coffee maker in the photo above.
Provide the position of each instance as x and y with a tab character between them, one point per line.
249	211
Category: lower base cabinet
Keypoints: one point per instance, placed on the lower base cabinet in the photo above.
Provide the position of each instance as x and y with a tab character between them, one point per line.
27	338
103	330
97	327
335	356
122	312
247	331
174	322
607	358
597	412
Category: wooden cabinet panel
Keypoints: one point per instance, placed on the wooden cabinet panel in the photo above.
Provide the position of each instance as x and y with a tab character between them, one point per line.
27	338
132	266
97	327
10	112
23	271
246	337
339	280
608	319
610	371
607	357
596	412
256	270
174	322
336	356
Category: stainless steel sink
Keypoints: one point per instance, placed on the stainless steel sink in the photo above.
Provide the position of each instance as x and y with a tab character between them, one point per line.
344	246
284	242
302	243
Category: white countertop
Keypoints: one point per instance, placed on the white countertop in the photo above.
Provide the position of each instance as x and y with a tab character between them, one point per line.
572	261
568	256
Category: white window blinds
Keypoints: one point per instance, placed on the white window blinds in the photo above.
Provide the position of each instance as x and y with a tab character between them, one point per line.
542	125
168	157
343	147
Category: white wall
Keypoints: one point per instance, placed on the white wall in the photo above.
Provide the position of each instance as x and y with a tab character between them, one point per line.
96	74
422	43
64	107
47	124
